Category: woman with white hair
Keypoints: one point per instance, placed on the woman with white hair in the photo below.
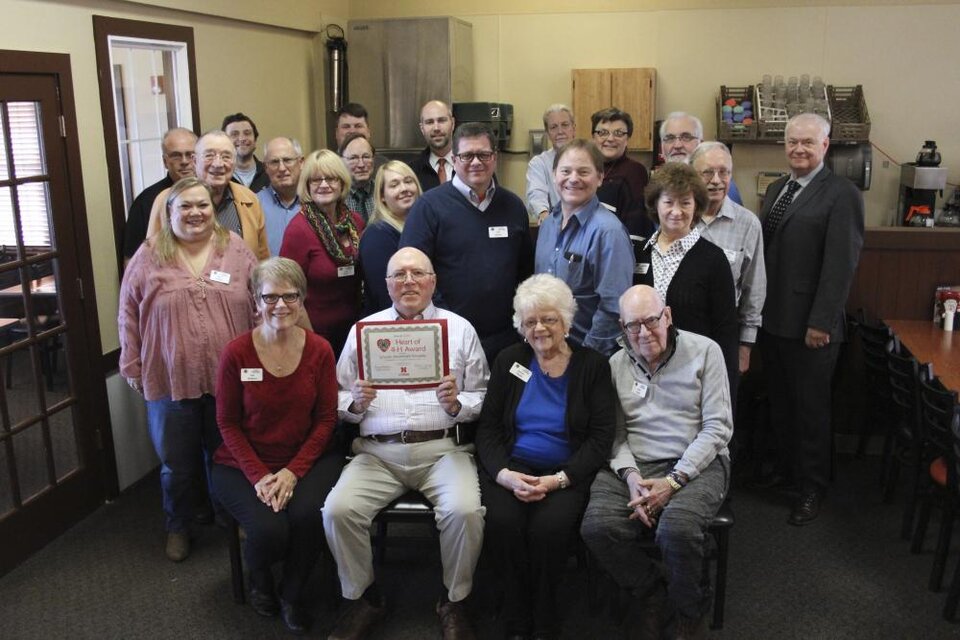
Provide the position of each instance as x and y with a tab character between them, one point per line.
545	429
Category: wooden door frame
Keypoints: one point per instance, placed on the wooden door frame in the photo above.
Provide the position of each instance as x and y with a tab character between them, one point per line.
76	498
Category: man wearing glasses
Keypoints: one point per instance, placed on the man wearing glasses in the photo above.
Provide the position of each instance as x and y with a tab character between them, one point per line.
680	133
409	439
542	193
282	159
478	237
624	179
177	146
669	471
434	166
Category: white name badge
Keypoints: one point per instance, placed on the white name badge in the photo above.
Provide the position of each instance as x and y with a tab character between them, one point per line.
731	255
640	389
220	276
251	375
344	272
498	232
521	371
641	267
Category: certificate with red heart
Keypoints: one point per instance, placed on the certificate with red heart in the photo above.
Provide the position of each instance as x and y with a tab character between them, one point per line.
403	354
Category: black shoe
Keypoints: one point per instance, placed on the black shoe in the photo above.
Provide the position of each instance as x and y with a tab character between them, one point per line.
357	619
264	602
647	614
806	510
776	481
293	618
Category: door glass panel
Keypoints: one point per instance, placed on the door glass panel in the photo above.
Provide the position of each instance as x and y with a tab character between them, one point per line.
8	234
4	171
31	464
34	201
25	132
20	375
43	297
64	440
6	495
12	311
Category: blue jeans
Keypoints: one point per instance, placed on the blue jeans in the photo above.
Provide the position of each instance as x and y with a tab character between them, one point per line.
184	432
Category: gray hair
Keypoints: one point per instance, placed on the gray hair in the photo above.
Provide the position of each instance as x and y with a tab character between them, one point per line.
810	118
214	133
543	291
676	115
278	270
711	145
293	143
174	131
557	108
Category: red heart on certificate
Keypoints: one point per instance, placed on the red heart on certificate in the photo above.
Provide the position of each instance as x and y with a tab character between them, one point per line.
383	344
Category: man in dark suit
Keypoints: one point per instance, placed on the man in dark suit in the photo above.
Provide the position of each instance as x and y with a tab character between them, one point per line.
434	165
813	232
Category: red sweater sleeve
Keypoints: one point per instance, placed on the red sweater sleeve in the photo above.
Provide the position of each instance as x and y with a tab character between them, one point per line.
230	413
324	414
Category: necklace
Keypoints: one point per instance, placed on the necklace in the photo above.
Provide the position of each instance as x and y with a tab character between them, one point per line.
279	359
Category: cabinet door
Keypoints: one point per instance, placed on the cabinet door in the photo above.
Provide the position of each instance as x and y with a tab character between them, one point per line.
591	92
634	91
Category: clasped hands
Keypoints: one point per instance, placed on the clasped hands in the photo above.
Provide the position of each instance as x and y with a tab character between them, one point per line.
276	489
525	487
647	498
363	394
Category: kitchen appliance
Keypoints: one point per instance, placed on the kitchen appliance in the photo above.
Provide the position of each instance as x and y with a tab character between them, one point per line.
919	183
853	161
498	115
950	217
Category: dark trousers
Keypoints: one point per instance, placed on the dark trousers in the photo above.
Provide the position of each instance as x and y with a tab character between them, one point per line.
181	430
530	544
294	535
799	385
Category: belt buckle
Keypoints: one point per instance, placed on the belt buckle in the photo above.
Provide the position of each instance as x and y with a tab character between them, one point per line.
403	437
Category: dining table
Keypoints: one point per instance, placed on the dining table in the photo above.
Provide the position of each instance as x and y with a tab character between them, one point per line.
929	343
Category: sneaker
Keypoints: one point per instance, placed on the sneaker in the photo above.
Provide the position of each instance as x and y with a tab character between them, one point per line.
178	545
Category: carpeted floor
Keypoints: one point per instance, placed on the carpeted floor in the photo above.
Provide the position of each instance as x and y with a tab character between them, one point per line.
846	576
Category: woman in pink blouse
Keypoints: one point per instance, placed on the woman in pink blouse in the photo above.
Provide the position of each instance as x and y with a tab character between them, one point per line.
324	240
185	294
276	408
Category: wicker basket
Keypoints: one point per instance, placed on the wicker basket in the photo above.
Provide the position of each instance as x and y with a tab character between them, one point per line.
735	131
851	121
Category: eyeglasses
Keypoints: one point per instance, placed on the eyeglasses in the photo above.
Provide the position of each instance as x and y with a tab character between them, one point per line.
224	156
707	174
365	157
274	163
332	181
482	156
603	134
546	321
274	298
178	156
651	323
416	275
683	137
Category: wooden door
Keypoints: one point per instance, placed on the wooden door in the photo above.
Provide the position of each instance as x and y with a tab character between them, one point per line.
630	90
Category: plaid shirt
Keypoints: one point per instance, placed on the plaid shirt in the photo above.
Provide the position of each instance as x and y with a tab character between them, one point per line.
360	199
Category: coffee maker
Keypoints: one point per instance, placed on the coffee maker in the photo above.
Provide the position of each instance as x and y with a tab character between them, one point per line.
919	183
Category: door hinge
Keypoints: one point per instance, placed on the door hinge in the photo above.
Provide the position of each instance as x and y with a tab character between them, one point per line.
80	287
63	127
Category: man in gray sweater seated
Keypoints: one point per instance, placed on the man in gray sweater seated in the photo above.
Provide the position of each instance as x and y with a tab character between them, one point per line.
669	470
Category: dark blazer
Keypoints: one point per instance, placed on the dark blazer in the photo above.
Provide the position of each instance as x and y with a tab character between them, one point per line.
812	257
425	174
590	414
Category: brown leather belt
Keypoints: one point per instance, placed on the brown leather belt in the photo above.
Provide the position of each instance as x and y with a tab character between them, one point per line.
412	437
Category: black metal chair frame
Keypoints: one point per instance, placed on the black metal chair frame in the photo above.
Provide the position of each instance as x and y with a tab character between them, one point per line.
904	372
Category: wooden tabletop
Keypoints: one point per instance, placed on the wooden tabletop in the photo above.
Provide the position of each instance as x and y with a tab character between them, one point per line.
46	286
929	343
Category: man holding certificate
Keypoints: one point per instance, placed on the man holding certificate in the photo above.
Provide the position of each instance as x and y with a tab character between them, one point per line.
410	376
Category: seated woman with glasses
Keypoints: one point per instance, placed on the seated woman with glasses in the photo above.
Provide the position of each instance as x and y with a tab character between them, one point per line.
690	273
276	409
546	427
358	153
396	189
324	240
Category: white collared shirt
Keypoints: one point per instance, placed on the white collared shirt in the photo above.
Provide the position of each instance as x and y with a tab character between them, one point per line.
472	196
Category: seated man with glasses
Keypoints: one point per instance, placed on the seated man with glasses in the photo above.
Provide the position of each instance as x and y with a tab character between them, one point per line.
680	133
282	159
737	231
669	470
624	179
409	439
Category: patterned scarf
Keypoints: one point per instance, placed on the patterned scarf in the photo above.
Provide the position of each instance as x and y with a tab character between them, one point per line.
328	235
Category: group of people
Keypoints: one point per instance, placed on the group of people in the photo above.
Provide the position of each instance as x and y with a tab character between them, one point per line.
592	374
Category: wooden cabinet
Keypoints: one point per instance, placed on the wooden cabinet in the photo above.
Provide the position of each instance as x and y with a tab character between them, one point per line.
630	90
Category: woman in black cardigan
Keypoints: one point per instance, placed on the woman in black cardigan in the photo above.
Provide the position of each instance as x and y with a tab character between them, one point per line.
690	273
545	429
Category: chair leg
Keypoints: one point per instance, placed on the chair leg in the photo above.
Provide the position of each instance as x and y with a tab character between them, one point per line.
953	595
943	546
236	563
380	545
720	589
923	519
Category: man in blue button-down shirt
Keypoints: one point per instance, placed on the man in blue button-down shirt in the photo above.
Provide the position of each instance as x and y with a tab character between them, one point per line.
585	245
282	158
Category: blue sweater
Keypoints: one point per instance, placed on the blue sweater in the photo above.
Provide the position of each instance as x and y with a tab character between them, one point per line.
476	274
377	245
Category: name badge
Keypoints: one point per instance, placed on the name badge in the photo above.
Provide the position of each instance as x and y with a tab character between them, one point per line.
344	272
641	267
251	375
498	232
640	389
521	371
220	276
731	255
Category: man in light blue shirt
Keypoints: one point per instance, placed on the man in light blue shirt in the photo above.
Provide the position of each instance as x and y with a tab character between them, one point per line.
282	158
585	245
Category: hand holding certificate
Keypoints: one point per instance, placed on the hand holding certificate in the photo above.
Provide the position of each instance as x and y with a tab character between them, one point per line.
403	354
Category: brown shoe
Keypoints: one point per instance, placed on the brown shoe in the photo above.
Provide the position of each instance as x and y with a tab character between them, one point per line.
691	629
647	615
357	620
454	621
178	545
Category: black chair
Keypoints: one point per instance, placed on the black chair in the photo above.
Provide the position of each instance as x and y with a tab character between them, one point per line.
941	416
236	560
410	507
875	342
904	372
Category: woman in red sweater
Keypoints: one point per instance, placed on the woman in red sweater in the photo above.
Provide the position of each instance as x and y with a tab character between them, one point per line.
276	409
324	239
